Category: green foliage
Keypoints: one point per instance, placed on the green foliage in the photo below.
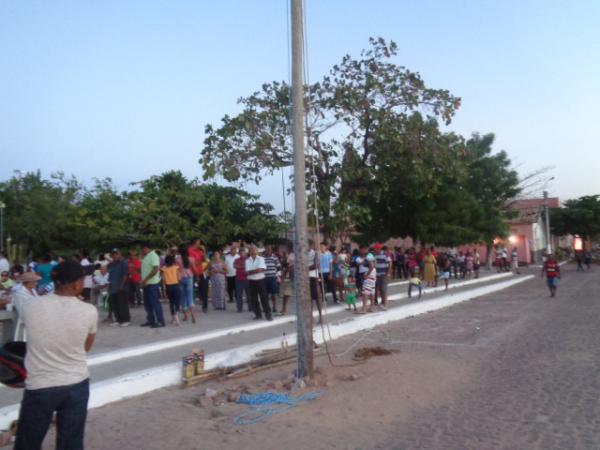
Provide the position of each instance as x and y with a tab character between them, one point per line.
382	165
345	109
61	215
578	216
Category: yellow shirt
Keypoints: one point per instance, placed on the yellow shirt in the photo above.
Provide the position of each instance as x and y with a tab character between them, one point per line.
171	274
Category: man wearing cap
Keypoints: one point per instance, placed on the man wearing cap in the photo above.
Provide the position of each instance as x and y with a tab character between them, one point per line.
60	330
117	288
150	284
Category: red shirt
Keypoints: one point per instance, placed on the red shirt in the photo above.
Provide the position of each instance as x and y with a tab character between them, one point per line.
134	270
240	268
552	269
198	255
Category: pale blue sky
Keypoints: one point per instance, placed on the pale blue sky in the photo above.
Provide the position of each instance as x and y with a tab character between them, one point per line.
124	88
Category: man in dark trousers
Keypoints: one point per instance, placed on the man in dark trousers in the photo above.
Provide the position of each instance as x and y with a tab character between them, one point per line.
255	268
60	331
117	288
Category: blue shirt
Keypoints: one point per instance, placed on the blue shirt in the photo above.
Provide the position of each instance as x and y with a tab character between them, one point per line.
117	271
44	270
325	262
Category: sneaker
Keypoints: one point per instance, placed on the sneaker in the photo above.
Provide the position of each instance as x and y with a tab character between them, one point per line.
115	324
146	324
125	324
157	325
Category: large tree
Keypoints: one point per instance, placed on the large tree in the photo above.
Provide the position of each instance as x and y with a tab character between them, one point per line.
62	215
39	212
359	97
577	216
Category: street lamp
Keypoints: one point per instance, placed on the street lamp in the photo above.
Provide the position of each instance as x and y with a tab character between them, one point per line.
2	206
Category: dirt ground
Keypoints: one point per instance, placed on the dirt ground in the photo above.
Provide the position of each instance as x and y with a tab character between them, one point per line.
511	370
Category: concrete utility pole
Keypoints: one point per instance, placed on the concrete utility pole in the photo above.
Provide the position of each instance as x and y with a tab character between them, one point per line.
304	320
547	214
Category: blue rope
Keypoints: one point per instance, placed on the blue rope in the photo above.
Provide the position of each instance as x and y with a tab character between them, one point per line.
260	409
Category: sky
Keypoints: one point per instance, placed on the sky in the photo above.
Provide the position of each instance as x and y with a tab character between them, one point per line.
123	89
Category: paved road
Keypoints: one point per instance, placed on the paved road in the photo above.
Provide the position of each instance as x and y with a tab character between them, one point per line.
510	370
534	371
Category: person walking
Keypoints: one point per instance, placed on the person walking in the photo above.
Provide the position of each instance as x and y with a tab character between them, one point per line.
60	331
218	270
117	289
150	285
186	283
230	256
552	271
255	268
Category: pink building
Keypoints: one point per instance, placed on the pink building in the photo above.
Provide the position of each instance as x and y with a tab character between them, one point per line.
528	230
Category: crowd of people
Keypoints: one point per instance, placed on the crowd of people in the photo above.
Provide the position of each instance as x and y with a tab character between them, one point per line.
240	276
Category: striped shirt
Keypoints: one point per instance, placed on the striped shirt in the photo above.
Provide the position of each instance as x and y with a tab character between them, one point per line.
273	265
382	264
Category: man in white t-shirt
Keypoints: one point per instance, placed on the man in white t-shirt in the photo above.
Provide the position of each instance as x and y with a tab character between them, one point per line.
230	258
60	331
255	268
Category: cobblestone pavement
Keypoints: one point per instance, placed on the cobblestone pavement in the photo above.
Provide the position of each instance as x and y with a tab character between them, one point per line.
534	378
514	370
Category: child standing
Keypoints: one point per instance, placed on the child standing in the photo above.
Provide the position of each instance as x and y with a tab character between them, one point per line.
350	293
415	282
368	287
171	277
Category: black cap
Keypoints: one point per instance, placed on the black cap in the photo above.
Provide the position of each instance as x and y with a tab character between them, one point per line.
67	272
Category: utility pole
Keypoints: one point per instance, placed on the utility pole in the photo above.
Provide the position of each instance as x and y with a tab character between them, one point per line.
547	214
305	367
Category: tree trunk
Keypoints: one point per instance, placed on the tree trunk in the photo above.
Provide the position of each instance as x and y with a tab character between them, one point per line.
488	256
